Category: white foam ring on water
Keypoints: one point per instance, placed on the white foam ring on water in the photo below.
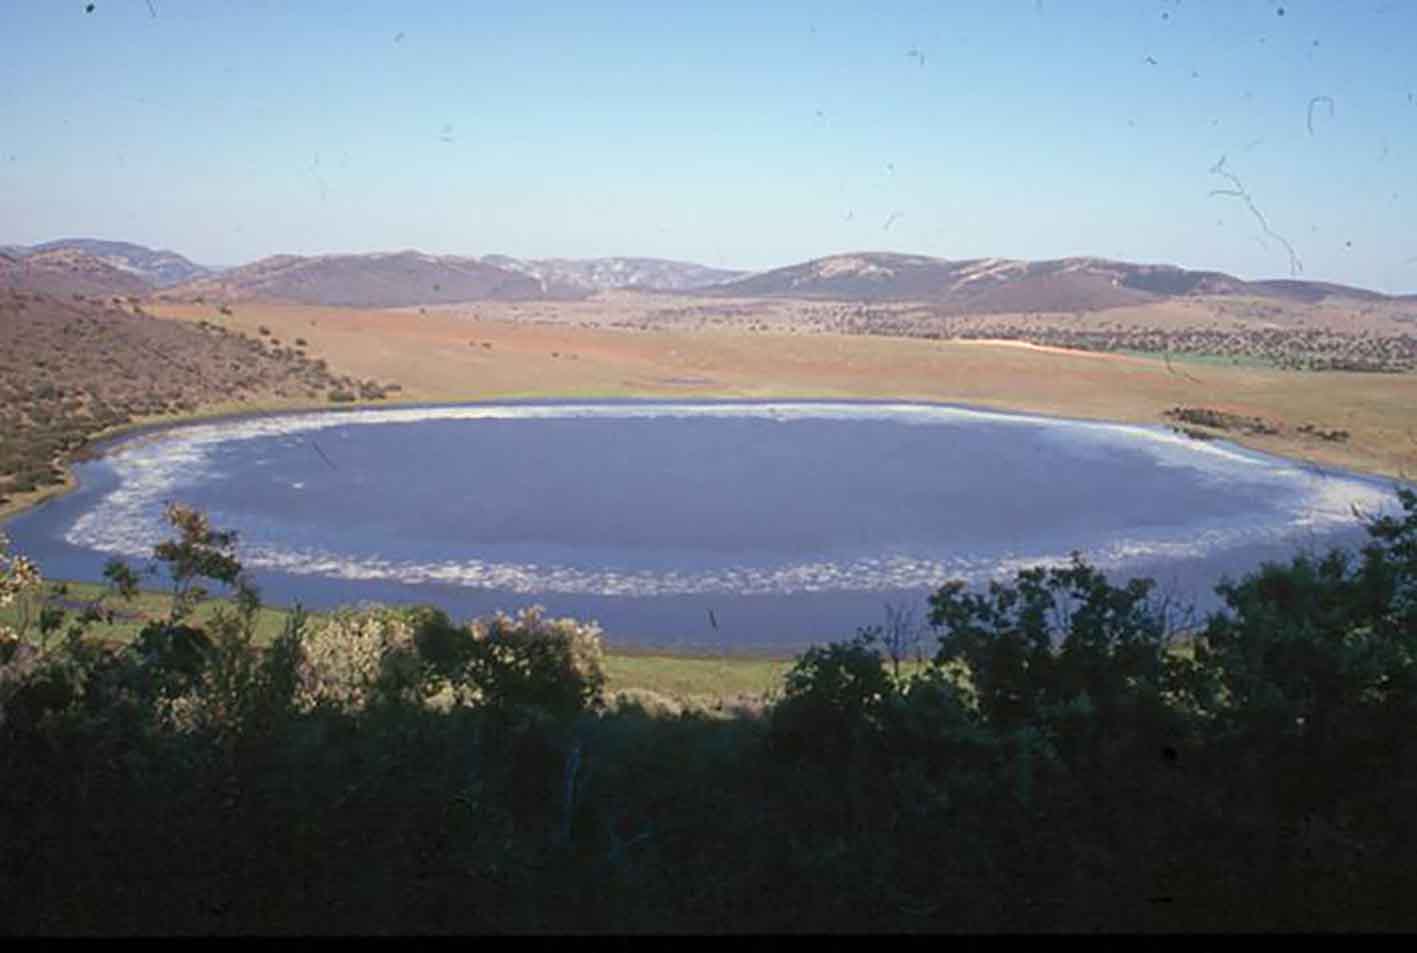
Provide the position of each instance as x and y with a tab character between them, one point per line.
127	520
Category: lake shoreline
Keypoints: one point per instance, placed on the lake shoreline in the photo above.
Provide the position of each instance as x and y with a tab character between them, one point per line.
106	441
473	596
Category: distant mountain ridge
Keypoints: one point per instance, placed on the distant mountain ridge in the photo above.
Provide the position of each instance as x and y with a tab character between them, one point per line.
378	280
66	271
589	275
412	278
159	268
1001	285
400	279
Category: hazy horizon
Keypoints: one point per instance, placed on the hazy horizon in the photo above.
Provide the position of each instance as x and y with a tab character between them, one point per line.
733	137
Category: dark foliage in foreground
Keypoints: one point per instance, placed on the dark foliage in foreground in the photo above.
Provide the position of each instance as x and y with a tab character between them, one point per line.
1060	764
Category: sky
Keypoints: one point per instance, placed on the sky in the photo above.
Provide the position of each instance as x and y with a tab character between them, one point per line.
740	135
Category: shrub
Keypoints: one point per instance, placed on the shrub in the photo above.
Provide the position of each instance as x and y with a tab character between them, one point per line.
177	653
19	579
833	698
354	658
444	648
528	660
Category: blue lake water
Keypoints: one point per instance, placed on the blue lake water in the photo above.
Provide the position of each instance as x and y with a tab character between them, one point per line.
718	526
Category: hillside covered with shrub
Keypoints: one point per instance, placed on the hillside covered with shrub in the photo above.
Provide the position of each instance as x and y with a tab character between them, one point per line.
71	368
1062	762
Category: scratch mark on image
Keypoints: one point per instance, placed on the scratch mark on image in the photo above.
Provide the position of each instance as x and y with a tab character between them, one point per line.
1328	100
315	171
1240	192
1167	355
323	457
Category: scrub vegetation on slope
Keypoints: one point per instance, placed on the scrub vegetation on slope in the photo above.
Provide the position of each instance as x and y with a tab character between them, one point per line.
70	369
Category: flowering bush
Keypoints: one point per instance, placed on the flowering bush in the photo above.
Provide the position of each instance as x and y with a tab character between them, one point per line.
18	578
351	658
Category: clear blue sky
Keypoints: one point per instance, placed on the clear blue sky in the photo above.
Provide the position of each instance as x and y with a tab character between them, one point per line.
726	133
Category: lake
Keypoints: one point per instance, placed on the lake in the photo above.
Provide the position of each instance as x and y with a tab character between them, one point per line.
743	526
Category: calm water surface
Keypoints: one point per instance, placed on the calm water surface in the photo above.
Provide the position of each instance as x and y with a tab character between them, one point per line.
789	522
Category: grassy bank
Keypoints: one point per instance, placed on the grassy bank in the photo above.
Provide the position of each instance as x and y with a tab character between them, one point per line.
684	678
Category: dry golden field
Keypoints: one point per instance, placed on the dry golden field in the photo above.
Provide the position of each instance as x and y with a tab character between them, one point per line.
597	348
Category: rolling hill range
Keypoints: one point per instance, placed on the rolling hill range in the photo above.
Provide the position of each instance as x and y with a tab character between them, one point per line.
410	278
588	275
402	279
1001	285
159	268
974	286
382	280
91	266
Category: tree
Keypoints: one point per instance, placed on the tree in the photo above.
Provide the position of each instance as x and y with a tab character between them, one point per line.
834	698
1065	650
1315	663
900	635
198	552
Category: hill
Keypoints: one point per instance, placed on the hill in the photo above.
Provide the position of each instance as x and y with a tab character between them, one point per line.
978	286
588	275
381	280
70	369
1002	285
66	272
159	268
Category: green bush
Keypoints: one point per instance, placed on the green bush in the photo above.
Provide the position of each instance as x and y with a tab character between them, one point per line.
528	660
834	699
176	654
